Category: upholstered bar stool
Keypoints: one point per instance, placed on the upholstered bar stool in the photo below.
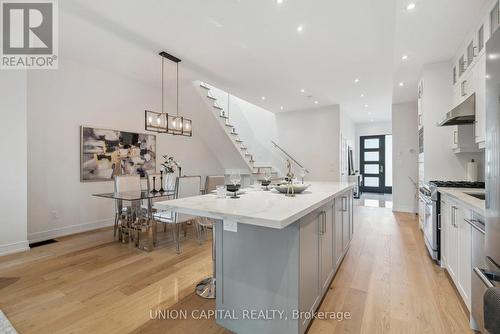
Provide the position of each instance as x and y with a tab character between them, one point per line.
206	288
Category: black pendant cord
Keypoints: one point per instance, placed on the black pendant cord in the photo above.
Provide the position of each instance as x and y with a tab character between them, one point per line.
162	91
178	90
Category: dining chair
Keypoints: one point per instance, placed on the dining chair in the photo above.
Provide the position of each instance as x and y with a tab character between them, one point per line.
154	182
124	183
212	181
185	186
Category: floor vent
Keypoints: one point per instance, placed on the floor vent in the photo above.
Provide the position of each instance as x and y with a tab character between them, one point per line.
42	243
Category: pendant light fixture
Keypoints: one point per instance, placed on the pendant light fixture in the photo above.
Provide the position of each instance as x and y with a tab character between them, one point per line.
162	122
177	125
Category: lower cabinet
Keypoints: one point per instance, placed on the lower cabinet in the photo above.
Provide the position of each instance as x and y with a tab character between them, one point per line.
456	248
325	235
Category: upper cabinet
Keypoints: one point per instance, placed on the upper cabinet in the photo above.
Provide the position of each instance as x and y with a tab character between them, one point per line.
469	68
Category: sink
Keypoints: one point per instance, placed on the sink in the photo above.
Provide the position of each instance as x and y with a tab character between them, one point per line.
476	195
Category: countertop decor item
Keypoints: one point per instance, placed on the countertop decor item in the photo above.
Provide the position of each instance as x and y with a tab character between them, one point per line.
266	183
294	188
234	189
170	166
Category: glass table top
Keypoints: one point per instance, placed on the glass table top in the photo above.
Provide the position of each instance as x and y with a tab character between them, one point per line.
136	195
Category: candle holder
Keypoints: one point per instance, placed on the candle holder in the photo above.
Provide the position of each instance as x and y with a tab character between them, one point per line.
154	191
161	182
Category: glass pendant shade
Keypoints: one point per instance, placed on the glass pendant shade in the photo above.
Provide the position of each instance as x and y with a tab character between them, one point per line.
178	125
155	121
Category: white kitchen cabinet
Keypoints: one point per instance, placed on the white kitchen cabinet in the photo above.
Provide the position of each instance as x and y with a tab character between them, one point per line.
479	78
464	268
338	232
326	248
322	250
309	262
456	251
463	139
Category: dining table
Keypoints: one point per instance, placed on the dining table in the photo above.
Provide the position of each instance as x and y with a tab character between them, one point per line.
136	212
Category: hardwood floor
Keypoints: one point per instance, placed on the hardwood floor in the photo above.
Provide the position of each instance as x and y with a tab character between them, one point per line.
88	283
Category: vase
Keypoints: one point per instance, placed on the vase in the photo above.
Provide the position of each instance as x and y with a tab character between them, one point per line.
170	181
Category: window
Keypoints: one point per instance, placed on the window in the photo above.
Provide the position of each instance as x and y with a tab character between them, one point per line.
461	65
480	39
470	53
494	19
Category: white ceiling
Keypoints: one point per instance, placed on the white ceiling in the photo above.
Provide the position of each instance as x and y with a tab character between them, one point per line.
253	48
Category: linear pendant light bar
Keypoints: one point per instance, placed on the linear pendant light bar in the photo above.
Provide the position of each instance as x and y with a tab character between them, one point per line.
163	122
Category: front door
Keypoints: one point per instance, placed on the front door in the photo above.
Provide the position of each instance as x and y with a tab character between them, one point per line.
372	164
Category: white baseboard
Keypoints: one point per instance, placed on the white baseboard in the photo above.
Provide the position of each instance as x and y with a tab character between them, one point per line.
68	230
404	208
15	247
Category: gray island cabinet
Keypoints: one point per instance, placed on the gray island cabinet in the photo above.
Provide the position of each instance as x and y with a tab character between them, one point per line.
275	256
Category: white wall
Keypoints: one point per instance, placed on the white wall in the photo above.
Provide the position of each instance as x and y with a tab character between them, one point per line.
110	93
312	137
440	163
405	156
13	150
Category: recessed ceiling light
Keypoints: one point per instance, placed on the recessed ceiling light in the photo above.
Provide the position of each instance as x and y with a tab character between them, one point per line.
300	28
279	2
263	98
493	56
362	95
316	102
404	57
366	106
281	108
487	76
356	80
401	84
410	6
302	90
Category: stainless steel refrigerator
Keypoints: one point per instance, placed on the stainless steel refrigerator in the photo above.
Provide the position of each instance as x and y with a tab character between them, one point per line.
487	259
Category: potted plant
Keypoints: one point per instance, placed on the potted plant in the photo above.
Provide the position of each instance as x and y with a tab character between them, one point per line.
169	167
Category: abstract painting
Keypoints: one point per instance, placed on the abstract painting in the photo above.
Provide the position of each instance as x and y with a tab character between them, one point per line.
107	153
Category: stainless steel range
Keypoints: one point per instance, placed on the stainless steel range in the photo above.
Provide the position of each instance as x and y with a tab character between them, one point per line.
430	211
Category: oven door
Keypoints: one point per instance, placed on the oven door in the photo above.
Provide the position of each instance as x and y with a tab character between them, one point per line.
429	222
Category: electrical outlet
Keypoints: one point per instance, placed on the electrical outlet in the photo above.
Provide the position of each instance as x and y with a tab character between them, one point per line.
230	226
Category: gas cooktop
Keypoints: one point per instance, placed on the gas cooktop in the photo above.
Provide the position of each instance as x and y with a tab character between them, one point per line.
457	184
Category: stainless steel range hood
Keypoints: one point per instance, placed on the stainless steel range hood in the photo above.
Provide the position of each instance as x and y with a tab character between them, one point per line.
464	113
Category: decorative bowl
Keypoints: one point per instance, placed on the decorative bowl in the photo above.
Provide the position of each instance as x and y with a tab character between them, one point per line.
297	188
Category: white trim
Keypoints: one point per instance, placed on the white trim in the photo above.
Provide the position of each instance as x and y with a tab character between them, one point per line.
404	208
68	230
15	247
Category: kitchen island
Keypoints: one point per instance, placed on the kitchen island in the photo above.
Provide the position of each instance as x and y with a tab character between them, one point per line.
276	255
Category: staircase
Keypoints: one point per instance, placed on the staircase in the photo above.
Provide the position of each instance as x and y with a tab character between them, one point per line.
257	170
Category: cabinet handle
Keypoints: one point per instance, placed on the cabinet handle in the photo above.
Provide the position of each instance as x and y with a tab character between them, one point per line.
464	83
474	51
475	224
455	137
324	222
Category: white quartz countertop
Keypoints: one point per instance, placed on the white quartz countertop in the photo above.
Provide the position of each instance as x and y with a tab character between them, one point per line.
258	207
460	194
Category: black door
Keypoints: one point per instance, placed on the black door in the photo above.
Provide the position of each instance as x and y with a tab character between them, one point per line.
372	164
